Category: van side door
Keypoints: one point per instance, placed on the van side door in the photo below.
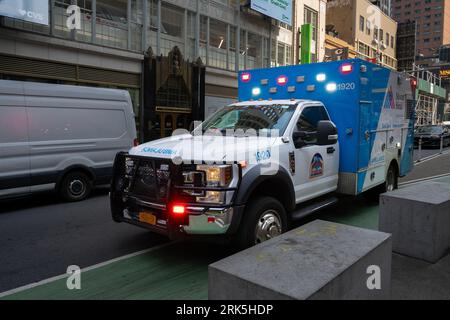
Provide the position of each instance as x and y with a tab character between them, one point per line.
14	149
316	166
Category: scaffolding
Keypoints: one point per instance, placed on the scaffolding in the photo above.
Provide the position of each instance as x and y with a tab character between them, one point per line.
427	104
426	110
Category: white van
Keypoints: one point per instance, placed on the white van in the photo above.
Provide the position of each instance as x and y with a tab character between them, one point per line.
58	137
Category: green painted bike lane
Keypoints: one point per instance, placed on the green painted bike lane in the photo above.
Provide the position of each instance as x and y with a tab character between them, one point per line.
177	270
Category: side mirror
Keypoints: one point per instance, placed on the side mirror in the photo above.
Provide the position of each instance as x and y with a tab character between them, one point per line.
326	133
298	138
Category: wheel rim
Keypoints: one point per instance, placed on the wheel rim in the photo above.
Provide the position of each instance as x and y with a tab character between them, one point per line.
77	188
390	181
268	226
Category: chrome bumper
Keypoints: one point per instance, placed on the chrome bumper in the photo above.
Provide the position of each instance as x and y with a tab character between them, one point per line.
208	221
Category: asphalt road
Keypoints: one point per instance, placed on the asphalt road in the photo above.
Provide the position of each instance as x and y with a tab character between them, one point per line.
427	152
41	236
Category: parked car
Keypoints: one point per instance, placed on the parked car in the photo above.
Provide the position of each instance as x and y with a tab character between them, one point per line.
446	124
431	136
58	137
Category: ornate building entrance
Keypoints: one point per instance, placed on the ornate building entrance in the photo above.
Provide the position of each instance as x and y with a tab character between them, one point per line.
174	95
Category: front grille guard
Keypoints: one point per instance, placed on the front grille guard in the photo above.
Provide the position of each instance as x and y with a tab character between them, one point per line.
174	187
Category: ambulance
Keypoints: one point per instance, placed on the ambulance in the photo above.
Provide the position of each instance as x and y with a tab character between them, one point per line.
299	136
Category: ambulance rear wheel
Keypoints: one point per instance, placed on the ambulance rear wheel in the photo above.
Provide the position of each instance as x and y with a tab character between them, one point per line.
391	183
265	218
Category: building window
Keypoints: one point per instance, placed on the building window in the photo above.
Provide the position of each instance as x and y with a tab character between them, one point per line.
203	41
136	23
190	53
311	17
112	24
364	50
233	49
172	28
242	49
362	22
254	51
281	60
281	54
218	44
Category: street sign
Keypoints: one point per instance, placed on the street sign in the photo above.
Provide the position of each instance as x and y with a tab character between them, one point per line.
35	11
337	54
280	10
445	73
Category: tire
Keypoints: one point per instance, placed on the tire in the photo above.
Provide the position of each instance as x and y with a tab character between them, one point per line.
264	218
390	184
75	186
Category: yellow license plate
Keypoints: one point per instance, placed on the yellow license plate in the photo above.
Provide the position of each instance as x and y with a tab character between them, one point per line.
147	218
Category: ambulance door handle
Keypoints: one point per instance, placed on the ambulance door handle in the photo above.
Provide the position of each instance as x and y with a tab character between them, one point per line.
331	150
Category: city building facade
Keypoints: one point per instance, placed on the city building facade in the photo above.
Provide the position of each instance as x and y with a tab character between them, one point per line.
406	45
338	49
111	42
433	25
365	26
385	5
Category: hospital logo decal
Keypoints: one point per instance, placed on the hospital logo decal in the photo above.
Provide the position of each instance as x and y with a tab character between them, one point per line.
316	169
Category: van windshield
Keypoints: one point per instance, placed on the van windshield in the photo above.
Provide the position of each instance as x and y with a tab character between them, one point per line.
259	118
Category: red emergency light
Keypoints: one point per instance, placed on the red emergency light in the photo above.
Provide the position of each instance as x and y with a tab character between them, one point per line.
413	82
347	68
245	77
178	209
282	80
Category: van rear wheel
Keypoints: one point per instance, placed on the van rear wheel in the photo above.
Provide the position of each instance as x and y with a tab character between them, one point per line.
75	186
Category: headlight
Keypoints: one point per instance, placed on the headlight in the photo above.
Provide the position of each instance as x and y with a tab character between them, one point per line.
129	166
217	176
208	176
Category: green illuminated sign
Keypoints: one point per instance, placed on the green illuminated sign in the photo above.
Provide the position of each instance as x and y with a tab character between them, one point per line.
306	43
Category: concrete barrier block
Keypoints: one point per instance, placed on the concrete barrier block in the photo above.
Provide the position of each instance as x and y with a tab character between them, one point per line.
418	217
321	260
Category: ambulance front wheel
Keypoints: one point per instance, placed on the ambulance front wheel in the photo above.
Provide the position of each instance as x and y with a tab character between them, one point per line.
264	218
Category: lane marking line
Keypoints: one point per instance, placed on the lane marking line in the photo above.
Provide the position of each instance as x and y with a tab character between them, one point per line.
424	179
434	156
95	266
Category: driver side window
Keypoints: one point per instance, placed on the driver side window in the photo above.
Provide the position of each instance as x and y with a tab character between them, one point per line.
308	121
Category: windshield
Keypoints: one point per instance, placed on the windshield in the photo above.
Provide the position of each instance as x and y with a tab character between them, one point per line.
258	118
430	130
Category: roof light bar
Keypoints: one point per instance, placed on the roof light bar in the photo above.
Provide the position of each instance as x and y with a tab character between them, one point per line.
246	77
282	80
321	77
347	68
